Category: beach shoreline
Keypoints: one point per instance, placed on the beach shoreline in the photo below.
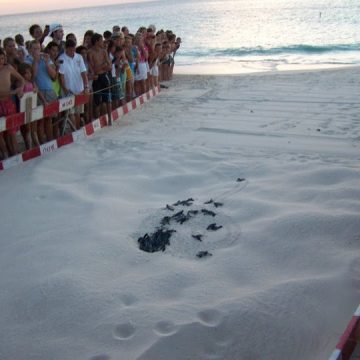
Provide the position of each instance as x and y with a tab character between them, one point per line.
221	69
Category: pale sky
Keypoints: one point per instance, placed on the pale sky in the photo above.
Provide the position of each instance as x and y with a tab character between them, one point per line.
21	6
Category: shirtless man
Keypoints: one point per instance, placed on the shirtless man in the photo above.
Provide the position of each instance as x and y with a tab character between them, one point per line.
7	106
10	49
100	65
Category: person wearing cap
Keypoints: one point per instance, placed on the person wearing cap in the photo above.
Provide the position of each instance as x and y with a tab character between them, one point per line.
56	31
118	38
152	27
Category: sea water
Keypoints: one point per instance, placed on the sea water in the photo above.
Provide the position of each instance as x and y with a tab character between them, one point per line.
227	36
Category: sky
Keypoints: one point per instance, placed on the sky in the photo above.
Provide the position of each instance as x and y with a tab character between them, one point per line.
19	6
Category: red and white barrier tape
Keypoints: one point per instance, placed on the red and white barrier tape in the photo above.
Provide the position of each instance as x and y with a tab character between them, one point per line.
347	343
86	131
18	119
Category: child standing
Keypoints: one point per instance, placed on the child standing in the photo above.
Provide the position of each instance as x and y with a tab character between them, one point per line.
25	71
118	73
131	55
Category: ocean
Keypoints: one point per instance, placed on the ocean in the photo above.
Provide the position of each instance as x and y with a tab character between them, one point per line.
229	36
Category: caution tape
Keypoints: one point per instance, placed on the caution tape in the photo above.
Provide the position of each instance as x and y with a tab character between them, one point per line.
66	103
85	132
53	108
348	340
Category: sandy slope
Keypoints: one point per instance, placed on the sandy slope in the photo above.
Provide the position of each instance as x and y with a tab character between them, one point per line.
283	279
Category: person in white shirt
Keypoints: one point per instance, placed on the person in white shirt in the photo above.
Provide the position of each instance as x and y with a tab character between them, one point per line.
73	77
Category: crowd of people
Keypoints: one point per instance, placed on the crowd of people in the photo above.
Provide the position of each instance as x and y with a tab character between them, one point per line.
111	68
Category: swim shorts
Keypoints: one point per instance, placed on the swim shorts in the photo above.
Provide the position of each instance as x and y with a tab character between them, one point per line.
101	88
117	92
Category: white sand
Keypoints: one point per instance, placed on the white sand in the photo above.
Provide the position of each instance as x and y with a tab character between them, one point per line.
283	280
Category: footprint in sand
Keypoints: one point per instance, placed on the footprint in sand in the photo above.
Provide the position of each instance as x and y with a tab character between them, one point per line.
124	331
100	357
40	197
210	317
128	299
165	328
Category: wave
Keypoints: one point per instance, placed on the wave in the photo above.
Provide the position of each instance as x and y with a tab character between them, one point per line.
282	50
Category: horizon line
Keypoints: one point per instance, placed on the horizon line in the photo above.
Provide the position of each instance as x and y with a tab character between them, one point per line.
126	2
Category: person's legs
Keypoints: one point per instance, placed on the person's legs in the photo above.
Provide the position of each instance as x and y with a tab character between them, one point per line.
89	110
156	81
55	126
48	128
137	87
102	96
77	121
97	97
129	89
150	81
41	131
108	109
3	147
34	135
25	132
143	87
10	138
8	107
147	82
50	97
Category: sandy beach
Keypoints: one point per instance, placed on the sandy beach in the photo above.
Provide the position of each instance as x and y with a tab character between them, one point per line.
280	152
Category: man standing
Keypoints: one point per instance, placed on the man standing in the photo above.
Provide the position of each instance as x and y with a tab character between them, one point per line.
10	49
100	65
73	77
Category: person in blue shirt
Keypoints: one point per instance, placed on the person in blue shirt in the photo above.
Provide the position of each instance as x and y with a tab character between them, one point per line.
44	72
